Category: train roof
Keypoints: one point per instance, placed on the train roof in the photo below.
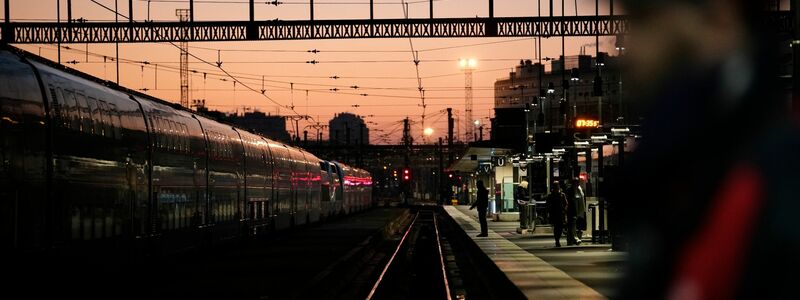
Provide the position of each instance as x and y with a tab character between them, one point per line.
115	86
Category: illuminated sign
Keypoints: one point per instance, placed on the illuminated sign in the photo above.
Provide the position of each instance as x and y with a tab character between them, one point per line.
587	123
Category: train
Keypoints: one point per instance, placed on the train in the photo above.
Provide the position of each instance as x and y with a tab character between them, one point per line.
87	166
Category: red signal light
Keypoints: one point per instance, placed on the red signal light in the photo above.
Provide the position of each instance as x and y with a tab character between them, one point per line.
405	171
405	177
450	175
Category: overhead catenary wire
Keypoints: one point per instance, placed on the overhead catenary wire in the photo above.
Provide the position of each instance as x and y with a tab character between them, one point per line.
219	66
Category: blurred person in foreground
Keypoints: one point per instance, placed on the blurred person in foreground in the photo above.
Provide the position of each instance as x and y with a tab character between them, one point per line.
707	200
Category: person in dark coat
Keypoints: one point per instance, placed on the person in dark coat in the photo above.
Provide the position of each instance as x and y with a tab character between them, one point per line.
521	198
557	207
574	197
482	203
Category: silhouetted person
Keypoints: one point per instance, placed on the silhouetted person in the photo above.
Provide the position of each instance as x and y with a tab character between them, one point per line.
557	208
482	203
521	198
708	199
576	209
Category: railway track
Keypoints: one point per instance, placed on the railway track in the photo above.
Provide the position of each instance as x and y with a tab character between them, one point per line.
417	268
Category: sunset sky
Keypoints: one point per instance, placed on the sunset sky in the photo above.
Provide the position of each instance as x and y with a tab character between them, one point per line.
381	68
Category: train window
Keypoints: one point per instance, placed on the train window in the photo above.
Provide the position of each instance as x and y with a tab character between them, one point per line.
170	134
162	136
94	113
179	137
58	107
87	124
186	138
152	131
176	131
103	117
72	110
116	120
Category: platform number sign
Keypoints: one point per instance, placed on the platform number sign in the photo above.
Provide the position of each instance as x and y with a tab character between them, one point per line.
498	161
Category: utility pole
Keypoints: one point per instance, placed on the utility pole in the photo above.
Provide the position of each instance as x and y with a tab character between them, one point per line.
407	140
184	16
450	136
361	144
116	20
7	24
58	17
441	172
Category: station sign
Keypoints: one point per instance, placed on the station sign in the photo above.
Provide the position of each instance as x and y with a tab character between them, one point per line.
587	123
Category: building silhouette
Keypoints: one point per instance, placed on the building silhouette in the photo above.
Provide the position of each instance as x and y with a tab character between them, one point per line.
348	129
549	105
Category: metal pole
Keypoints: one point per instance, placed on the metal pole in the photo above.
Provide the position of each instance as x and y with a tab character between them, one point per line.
116	20
311	7
252	11
191	11
8	13
431	7
130	11
371	9
450	136
441	173
601	205
69	11
611	5
491	8
58	16
795	8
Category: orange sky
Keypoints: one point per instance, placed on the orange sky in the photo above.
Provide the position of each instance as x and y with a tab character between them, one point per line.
365	63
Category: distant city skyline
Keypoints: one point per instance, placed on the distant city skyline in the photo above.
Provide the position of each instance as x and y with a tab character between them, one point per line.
383	69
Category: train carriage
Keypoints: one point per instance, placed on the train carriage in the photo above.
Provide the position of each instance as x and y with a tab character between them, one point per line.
90	168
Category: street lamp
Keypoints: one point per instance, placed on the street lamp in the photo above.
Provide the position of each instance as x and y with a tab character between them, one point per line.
428	131
468	63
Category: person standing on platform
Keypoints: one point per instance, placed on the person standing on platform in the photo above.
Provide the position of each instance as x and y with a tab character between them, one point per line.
575	211
482	203
580	209
521	197
557	207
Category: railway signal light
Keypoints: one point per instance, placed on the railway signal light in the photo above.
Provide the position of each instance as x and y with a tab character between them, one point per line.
406	175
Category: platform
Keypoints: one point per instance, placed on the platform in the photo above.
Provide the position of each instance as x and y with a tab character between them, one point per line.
540	270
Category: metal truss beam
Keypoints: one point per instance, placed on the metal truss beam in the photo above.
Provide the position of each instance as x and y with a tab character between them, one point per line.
145	32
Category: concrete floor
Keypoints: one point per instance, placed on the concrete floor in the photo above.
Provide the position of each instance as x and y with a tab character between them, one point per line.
596	266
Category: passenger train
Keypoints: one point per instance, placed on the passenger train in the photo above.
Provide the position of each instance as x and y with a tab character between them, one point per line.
86	165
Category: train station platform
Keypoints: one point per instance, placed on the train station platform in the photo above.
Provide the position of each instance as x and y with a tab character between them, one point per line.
537	268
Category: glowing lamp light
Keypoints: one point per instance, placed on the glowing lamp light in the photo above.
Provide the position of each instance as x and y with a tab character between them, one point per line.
477	122
470	63
428	131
